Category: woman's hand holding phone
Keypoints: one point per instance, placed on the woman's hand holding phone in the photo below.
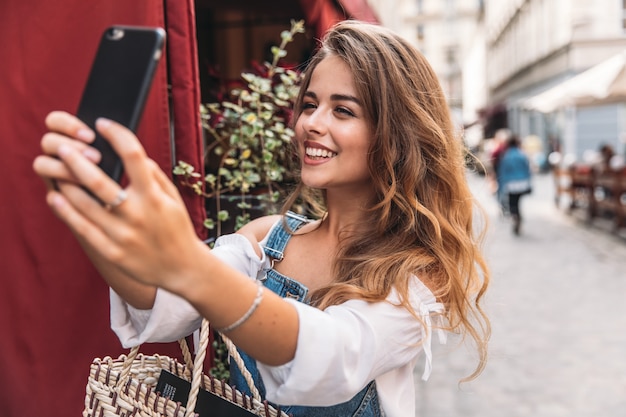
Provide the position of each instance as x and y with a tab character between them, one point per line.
148	237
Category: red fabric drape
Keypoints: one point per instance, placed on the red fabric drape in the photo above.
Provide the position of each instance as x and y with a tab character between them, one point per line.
54	312
185	84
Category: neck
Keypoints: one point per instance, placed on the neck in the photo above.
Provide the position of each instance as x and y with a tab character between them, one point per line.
344	212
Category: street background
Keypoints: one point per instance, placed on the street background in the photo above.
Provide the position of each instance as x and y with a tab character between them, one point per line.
557	304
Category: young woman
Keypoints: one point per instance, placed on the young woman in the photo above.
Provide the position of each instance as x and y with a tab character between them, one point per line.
334	312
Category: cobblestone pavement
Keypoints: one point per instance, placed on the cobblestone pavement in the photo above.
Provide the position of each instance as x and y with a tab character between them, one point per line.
558	308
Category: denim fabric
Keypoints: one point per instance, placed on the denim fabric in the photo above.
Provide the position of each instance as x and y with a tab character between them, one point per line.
365	403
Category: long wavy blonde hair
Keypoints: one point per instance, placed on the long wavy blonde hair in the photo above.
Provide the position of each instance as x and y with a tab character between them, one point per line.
423	221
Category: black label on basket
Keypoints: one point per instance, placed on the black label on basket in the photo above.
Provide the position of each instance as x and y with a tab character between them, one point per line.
207	405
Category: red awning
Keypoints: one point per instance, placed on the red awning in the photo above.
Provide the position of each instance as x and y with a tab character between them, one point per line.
322	14
359	10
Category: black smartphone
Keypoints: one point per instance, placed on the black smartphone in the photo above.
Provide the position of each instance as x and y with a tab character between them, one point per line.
119	82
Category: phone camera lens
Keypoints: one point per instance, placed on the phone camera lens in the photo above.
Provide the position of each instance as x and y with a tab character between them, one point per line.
116	34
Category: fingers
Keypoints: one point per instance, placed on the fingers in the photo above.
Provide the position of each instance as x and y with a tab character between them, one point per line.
88	174
89	208
51	141
66	130
51	170
92	223
78	224
129	149
69	125
164	182
76	161
69	138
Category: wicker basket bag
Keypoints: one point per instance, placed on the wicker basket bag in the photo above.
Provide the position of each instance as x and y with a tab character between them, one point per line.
126	386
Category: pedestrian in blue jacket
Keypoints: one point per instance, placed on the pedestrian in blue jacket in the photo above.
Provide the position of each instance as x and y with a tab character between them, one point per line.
514	177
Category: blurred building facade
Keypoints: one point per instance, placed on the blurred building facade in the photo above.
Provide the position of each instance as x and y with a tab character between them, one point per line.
533	45
448	33
492	56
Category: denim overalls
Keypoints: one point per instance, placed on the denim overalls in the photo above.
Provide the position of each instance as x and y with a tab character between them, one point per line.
365	403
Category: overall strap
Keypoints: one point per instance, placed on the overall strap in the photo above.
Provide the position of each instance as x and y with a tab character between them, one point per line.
279	236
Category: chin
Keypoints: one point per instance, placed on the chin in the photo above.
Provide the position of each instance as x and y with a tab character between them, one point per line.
312	182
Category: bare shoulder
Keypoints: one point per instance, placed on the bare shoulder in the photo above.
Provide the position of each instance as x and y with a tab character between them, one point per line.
257	229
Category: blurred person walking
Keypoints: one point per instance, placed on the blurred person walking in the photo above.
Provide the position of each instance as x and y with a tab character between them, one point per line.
514	178
500	141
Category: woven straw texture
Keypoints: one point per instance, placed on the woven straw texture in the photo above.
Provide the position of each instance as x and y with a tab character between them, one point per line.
124	387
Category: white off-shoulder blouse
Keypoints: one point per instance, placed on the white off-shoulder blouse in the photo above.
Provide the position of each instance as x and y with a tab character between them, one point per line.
339	351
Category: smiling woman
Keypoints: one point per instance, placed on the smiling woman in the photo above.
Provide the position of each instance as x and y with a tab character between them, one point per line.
394	257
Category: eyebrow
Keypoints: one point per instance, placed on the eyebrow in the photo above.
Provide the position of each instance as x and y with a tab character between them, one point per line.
336	97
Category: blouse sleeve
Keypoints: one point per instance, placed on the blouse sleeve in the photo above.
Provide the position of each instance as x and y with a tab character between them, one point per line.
343	348
172	317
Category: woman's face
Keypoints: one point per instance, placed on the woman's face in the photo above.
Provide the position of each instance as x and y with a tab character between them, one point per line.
332	133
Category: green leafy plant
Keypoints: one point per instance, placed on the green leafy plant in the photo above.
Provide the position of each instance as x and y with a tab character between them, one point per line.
246	152
220	368
247	137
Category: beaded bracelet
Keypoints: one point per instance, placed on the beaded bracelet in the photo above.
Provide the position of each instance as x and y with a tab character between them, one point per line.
247	314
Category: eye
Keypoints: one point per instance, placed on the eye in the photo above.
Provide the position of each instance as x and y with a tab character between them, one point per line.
308	105
344	111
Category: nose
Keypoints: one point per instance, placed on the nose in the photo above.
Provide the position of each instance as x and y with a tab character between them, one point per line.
314	122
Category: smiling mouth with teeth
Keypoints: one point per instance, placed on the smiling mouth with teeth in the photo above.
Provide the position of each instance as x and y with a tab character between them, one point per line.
317	153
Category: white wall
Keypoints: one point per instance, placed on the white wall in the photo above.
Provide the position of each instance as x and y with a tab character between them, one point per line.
474	81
